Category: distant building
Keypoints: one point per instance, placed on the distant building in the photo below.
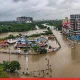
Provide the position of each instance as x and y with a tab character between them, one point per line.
66	26
25	19
66	20
75	27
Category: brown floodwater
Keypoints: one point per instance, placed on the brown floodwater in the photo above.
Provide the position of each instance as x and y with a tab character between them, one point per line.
62	64
2	35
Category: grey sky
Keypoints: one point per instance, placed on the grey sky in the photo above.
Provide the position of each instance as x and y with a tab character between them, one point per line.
38	9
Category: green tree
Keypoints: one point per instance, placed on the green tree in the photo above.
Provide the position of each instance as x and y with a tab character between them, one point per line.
3	74
20	34
11	66
50	47
14	65
6	65
42	50
48	28
11	36
36	47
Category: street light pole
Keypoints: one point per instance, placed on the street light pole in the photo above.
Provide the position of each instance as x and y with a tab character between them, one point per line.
9	54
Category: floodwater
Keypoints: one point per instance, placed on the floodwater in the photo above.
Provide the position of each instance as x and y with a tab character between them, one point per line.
2	35
61	62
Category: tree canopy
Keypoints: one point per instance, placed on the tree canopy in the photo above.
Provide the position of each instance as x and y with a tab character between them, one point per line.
21	27
3	74
11	66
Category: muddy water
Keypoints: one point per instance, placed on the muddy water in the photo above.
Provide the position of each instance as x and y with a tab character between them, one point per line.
2	35
61	62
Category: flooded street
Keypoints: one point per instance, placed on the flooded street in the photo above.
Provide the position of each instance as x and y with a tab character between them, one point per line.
61	62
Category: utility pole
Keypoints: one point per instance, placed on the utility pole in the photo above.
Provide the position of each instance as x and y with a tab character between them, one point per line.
9	54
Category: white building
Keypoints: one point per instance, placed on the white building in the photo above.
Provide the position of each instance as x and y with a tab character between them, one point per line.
25	19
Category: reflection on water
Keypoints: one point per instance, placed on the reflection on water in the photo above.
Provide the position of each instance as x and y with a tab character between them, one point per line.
13	75
61	62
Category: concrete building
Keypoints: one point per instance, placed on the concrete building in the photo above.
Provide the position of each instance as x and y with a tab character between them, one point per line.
25	19
66	26
75	27
66	20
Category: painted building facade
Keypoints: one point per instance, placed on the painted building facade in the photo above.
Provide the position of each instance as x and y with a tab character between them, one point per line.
75	27
66	26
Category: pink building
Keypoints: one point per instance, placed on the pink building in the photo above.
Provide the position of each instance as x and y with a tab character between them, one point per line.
66	26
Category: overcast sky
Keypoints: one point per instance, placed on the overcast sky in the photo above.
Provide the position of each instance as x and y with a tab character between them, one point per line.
38	9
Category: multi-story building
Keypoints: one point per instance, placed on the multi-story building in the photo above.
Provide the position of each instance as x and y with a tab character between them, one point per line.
25	19
65	26
66	20
75	27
